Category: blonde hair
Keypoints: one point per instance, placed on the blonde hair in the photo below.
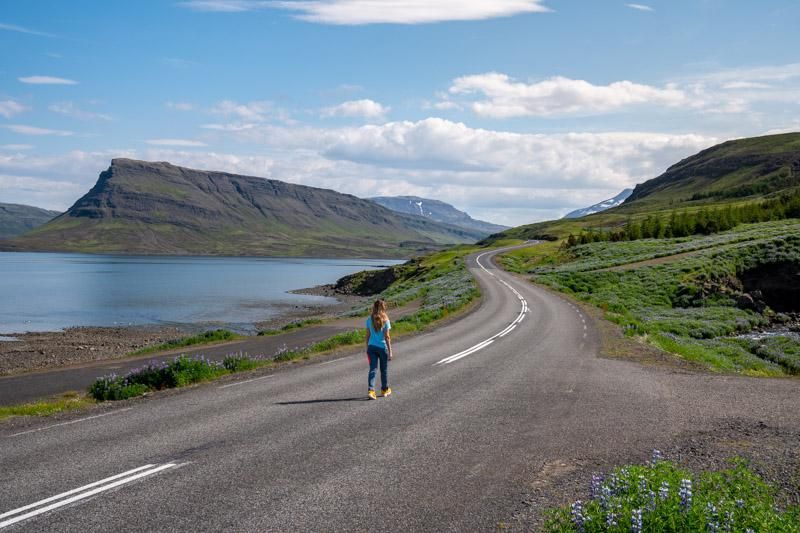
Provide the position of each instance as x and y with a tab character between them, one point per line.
379	316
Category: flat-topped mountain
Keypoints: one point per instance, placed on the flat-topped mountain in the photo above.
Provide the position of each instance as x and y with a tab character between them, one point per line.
139	207
16	219
436	210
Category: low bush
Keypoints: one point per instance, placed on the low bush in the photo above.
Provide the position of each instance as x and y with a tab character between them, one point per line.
179	372
661	497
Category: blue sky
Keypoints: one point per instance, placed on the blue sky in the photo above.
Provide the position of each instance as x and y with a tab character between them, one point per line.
514	110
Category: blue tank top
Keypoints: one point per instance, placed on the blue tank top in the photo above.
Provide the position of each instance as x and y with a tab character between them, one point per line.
376	337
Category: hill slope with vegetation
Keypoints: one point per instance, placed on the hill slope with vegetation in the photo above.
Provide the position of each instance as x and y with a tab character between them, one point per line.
16	219
140	207
703	261
735	175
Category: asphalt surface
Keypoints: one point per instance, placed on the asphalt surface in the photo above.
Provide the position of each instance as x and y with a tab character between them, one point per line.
453	449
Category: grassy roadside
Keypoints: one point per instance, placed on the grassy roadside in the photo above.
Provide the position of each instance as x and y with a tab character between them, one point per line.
70	401
209	337
690	305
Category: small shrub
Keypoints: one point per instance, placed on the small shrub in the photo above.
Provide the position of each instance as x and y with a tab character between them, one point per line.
660	497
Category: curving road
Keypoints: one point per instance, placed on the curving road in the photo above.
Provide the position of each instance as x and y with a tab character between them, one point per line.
481	406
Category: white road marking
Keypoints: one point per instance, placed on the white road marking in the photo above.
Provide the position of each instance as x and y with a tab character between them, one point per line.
127	477
333	361
73	491
490	340
70	422
243	382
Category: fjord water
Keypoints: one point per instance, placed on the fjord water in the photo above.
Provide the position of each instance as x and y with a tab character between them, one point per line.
50	291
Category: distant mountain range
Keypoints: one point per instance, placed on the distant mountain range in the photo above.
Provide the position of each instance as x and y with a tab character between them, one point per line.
436	210
16	219
139	207
602	206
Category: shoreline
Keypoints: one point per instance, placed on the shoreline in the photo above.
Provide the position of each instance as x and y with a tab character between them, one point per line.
34	351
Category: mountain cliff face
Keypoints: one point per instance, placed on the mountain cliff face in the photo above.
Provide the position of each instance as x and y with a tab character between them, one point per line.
735	169
436	210
602	206
16	219
140	207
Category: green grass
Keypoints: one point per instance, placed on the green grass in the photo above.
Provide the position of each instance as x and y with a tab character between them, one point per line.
209	337
299	324
662	498
686	304
65	402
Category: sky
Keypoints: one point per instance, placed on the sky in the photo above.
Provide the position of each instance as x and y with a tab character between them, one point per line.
514	111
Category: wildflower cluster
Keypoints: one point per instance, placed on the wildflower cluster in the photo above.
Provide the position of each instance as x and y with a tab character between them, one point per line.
158	375
660	497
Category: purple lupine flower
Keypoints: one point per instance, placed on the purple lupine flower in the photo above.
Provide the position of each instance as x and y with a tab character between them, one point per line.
651	504
642	484
577	516
636	521
712	518
611	519
594	488
657	457
663	491
685	494
605	497
740	504
613	483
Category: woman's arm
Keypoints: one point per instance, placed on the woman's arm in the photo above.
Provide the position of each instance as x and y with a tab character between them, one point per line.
366	342
388	338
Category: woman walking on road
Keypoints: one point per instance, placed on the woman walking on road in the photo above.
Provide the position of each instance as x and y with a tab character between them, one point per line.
379	348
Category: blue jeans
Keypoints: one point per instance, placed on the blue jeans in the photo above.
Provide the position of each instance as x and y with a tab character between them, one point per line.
375	355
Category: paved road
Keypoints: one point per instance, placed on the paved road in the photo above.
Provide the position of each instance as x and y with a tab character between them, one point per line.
301	450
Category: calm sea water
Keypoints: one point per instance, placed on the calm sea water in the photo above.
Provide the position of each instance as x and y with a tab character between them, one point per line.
48	292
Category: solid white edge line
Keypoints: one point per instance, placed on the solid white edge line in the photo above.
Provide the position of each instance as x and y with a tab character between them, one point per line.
243	382
83	495
333	361
73	491
70	422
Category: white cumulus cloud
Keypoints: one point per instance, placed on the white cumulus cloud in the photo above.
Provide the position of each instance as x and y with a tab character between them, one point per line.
500	96
357	12
9	108
46	80
368	109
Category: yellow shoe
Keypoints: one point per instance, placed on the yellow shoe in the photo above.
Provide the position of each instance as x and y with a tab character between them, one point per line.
386	392
372	395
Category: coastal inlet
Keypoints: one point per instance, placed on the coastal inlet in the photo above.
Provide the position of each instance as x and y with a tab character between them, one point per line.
52	291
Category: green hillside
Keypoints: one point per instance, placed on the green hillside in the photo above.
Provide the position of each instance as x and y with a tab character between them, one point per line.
730	174
16	219
693	262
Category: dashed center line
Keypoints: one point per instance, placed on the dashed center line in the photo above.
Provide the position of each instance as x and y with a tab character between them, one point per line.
506	331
